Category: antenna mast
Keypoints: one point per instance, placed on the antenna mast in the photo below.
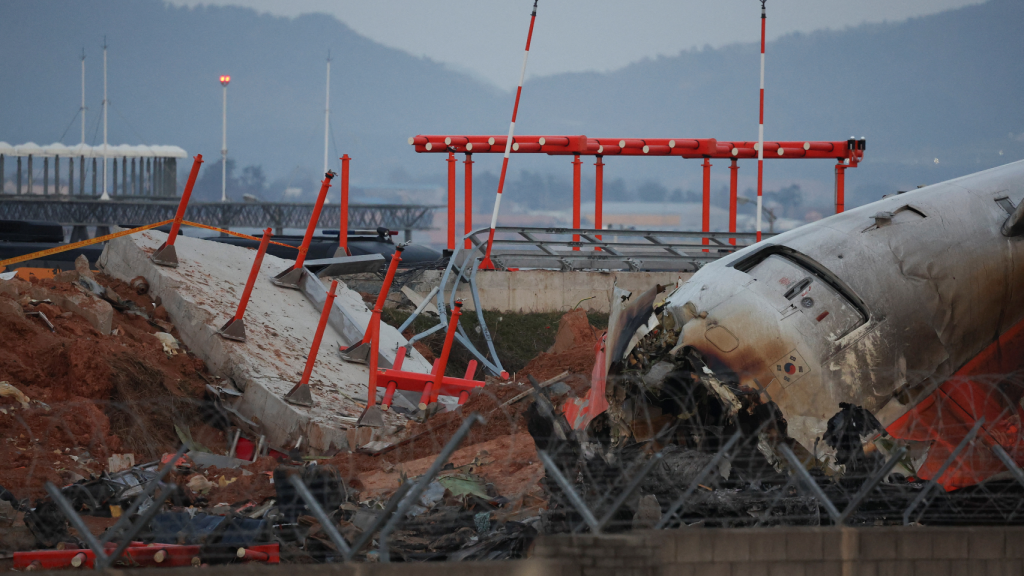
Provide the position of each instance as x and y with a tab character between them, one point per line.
327	109
760	129
486	263
82	110
105	196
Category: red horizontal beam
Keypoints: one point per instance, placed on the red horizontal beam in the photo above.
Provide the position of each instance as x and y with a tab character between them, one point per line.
682	147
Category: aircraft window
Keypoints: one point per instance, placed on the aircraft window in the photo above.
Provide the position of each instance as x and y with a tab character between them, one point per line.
809	293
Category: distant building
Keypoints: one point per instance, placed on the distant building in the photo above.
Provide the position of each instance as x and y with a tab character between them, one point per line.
144	170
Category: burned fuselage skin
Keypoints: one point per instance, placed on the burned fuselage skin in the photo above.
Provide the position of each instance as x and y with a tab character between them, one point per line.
875	307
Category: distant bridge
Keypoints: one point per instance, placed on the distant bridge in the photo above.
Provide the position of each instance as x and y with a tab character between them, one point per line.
78	211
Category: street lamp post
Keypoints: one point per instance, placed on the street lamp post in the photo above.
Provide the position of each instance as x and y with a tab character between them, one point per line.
224	81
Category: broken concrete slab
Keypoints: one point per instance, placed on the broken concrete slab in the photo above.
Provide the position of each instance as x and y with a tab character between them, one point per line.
96	311
202	293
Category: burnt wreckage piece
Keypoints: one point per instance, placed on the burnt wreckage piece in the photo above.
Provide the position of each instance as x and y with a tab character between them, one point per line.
850	342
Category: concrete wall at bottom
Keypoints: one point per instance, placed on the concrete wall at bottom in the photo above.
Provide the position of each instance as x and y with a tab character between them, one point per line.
808	551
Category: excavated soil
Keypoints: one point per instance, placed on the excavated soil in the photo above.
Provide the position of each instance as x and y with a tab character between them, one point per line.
572	352
91	395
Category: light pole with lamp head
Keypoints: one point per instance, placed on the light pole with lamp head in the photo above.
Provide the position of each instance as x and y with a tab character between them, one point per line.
224	81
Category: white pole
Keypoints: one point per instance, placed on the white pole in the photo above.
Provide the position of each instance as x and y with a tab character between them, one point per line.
105	196
83	96
327	110
760	130
486	263
224	150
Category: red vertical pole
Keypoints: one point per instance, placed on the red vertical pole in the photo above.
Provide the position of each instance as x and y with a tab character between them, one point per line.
705	220
451	201
576	197
318	336
373	332
599	196
378	306
431	392
469	199
734	169
343	224
264	242
185	195
314	218
760	129
165	255
840	188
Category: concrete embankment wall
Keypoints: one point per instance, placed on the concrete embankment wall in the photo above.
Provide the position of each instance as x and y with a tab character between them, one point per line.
535	290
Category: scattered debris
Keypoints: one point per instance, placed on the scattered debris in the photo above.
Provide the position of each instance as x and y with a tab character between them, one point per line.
7	390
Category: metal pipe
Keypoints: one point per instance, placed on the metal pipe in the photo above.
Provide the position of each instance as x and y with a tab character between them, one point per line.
705	218
468	184
734	169
419	309
313	219
431	392
325	521
253	273
373	333
82	109
570	492
599	196
343	223
224	145
315	347
180	214
576	198
104	195
840	188
327	108
451	201
486	262
421	484
760	129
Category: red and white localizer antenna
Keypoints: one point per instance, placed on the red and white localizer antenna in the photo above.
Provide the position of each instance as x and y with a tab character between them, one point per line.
760	130
486	263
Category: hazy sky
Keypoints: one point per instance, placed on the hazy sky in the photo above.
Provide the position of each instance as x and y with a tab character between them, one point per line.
486	37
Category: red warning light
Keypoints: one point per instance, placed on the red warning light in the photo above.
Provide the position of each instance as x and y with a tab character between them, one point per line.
224	80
